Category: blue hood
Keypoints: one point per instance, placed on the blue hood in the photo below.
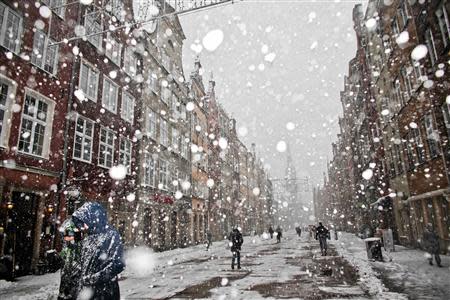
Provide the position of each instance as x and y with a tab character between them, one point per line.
93	215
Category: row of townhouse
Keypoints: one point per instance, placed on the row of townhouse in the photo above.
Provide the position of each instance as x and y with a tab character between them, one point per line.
390	163
95	107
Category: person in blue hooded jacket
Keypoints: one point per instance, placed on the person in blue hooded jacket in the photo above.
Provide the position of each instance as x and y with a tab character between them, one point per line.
101	253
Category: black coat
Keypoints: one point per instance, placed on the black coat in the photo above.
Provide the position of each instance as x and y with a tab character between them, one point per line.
321	232
101	253
236	240
70	272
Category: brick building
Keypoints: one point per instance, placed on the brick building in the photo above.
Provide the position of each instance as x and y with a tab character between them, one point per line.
405	49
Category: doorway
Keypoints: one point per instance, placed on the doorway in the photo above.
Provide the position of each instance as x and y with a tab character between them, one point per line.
21	231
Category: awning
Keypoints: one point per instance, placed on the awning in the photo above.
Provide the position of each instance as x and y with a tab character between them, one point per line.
427	195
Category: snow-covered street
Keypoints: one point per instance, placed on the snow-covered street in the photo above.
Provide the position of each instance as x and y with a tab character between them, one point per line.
293	269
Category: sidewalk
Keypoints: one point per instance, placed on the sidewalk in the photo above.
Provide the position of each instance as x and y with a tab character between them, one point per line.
407	276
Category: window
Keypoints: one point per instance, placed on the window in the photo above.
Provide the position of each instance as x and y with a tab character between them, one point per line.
163	132
417	138
444	24
44	55
403	13
432	137
7	92
89	81
163	174
57	6
149	171
166	94
36	124
151	124
113	49
110	94
446	112
92	23
106	148
10	28
410	153
125	153
418	71
395	26
174	172
84	134
130	61
116	9
184	147
431	46
153	82
127	107
399	102
175	140
407	81
398	158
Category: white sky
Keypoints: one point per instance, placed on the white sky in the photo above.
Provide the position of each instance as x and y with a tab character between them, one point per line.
313	43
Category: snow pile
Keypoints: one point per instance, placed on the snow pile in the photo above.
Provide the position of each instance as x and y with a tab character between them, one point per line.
353	250
140	261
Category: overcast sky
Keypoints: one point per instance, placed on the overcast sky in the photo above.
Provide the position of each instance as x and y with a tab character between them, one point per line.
312	43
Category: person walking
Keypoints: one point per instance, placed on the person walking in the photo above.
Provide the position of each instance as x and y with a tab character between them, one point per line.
208	240
322	234
431	244
101	253
279	234
236	242
70	255
271	231
298	229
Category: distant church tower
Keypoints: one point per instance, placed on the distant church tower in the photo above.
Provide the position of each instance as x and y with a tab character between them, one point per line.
291	190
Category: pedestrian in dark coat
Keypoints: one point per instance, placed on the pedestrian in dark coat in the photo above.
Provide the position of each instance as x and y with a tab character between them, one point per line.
322	234
236	241
279	234
298	229
70	254
430	241
101	253
208	240
271	231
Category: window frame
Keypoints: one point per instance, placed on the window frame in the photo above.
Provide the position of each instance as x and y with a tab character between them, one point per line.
164	128
106	145
91	70
125	153
130	60
149	171
60	11
429	41
152	118
5	128
44	54
126	112
109	53
446	22
48	129
90	15
108	105
6	12
83	138
166	173
434	151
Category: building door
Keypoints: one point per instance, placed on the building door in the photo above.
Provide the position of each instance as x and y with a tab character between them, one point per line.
21	230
